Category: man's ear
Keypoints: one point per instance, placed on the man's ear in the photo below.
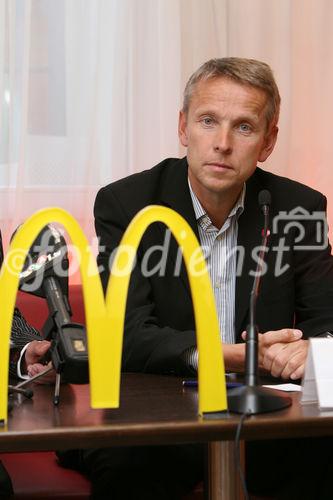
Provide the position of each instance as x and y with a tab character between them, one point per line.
182	129
269	143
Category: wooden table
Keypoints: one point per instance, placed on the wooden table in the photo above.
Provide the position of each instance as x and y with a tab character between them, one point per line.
153	410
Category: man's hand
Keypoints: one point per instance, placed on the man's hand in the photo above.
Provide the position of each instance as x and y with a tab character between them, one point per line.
283	353
34	352
234	357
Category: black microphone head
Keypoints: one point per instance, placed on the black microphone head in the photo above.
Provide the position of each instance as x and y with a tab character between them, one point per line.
47	257
264	198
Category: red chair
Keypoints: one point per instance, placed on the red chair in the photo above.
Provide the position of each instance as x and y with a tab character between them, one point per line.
37	475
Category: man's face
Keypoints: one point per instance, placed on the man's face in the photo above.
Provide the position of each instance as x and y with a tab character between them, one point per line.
226	134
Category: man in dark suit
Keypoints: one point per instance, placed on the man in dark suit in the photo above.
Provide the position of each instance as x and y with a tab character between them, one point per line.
159	321
228	124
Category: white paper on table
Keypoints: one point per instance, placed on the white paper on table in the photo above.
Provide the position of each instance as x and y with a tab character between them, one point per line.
285	387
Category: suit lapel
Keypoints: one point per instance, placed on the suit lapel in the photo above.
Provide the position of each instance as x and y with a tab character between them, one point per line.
175	194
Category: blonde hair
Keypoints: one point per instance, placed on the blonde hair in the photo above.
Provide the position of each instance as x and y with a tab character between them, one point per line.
244	71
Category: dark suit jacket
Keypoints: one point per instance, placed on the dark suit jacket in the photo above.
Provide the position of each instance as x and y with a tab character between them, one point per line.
159	319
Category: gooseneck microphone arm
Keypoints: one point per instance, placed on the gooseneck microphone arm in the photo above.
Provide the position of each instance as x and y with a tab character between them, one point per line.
252	398
251	358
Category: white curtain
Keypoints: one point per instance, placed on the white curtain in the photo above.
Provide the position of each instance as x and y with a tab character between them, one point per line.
90	90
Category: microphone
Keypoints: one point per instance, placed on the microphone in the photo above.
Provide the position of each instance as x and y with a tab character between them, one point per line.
45	274
47	257
252	398
264	201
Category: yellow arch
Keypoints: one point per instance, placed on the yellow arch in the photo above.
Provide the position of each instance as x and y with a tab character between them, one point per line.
211	375
105	320
96	317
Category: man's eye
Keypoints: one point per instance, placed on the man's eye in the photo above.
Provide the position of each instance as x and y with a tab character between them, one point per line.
207	121
244	127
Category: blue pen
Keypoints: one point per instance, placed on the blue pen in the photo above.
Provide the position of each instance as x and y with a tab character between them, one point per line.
194	383
190	383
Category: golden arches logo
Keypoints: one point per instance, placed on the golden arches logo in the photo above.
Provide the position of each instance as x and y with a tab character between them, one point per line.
105	318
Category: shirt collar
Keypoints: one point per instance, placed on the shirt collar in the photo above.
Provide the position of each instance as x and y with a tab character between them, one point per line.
200	212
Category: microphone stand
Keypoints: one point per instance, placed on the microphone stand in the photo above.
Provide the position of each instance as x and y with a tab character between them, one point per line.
18	387
28	393
252	398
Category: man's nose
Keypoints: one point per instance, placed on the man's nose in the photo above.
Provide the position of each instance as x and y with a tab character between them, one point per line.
223	140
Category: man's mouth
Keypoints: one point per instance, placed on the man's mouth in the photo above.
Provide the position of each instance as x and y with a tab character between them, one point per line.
219	165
